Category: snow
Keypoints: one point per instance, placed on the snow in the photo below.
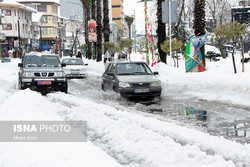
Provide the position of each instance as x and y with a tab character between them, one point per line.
130	138
36	17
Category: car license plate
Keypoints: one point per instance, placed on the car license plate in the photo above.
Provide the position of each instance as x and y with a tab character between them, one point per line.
141	90
44	82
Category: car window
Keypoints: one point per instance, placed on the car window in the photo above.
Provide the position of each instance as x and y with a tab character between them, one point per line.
111	68
73	61
42	61
133	69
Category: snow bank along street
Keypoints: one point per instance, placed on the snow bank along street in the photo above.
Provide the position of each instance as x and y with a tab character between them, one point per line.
124	136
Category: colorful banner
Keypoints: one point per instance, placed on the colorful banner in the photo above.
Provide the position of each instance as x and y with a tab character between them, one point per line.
92	31
193	57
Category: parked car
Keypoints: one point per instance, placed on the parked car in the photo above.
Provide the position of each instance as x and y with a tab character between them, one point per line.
247	59
131	79
42	72
75	68
67	52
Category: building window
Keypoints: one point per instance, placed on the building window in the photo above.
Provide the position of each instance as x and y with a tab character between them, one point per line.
45	19
6	12
116	6
7	26
116	18
31	5
54	9
54	31
54	20
42	8
45	31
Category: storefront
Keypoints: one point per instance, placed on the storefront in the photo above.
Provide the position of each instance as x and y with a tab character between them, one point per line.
6	45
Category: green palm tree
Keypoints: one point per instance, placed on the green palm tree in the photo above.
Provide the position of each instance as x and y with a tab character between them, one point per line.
129	20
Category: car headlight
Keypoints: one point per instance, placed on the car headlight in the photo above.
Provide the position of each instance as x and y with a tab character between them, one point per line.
156	84
59	74
28	74
124	85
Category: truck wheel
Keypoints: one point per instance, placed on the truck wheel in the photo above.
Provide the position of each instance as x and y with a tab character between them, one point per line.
65	88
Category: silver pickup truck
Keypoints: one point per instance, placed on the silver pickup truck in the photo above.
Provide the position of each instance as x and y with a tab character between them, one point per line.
42	72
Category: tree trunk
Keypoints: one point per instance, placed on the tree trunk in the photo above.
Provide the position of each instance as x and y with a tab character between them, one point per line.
161	31
235	70
179	21
129	30
106	29
99	32
242	52
199	23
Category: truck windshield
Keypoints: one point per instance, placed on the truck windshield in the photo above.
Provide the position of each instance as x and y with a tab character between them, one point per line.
42	61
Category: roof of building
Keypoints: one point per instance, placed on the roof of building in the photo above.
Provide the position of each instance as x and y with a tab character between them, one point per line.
41	1
17	5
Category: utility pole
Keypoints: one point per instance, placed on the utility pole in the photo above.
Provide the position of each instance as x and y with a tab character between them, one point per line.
19	40
170	47
135	31
146	33
41	40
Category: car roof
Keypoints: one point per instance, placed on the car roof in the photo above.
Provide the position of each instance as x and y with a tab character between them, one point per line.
128	62
40	54
72	58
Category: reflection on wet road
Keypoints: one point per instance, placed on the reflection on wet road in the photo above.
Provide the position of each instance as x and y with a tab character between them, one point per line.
220	119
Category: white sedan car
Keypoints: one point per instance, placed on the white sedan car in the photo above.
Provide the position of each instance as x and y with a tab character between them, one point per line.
75	68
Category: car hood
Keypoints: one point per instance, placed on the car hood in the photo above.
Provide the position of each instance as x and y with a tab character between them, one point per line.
137	78
43	69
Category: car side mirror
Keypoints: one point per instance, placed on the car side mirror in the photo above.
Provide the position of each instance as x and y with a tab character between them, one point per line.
63	64
86	64
20	65
156	73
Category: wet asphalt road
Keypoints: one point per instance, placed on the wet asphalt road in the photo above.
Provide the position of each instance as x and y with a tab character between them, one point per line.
217	118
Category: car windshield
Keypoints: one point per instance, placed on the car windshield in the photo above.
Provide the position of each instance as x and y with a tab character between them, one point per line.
42	61
73	61
133	69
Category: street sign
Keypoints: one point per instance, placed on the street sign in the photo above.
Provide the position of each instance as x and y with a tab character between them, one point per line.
165	12
92	31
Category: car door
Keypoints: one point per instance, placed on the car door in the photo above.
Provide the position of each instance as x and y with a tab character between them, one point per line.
108	76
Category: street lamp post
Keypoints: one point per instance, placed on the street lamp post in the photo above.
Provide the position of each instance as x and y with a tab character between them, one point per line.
146	30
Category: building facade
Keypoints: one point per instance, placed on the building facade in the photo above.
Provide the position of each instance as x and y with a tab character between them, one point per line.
50	10
17	26
118	15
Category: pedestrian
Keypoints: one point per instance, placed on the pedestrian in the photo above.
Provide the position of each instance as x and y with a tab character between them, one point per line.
79	54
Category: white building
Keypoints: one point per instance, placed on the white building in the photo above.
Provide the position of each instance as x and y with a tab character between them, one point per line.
16	23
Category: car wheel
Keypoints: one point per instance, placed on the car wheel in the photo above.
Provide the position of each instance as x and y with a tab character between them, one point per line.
157	100
114	89
65	88
103	88
20	87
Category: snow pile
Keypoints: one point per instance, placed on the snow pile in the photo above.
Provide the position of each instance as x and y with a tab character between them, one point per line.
135	140
8	79
29	105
